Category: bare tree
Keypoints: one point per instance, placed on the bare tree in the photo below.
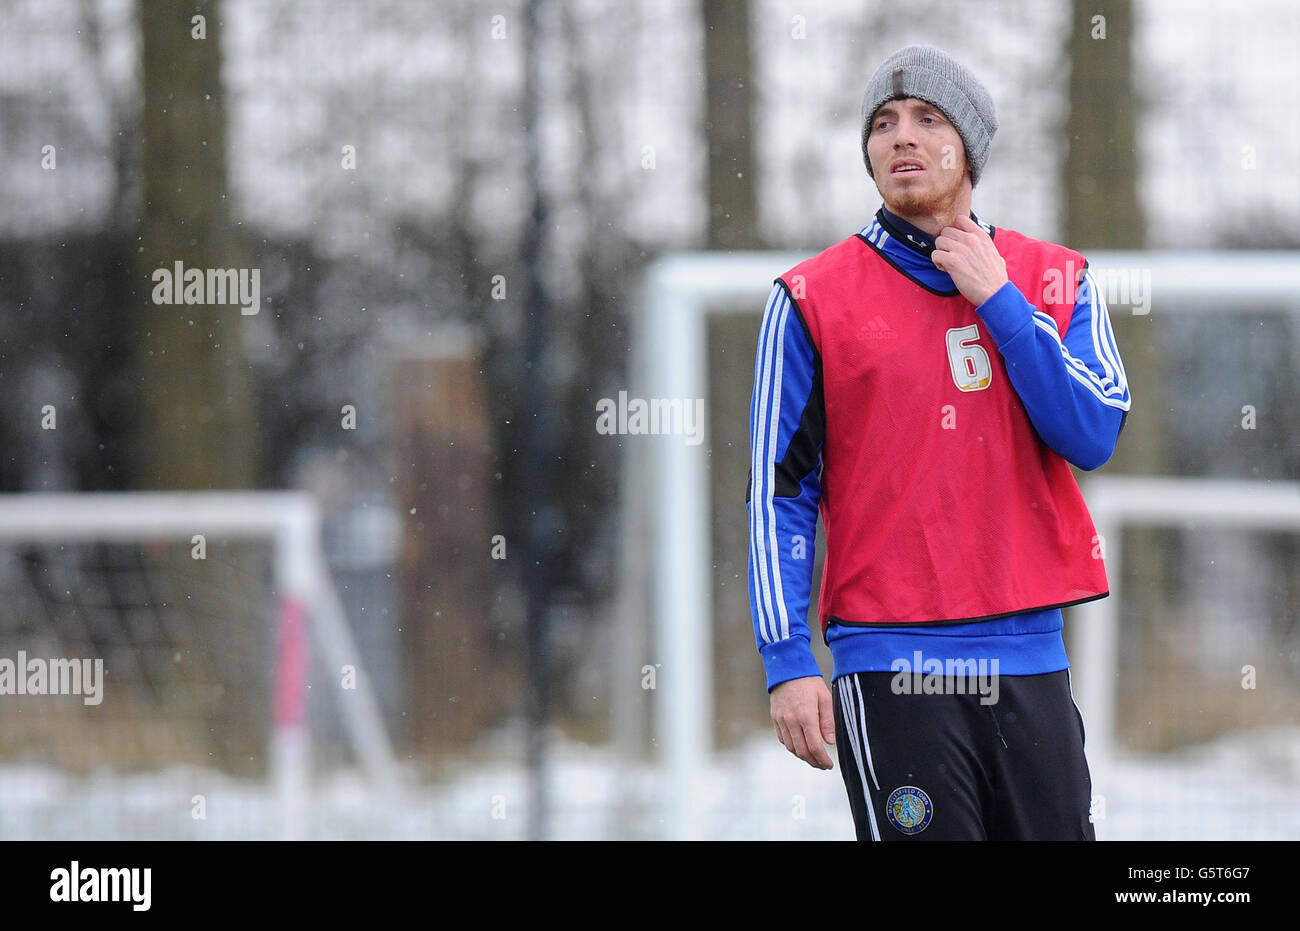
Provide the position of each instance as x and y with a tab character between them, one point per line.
195	426
729	126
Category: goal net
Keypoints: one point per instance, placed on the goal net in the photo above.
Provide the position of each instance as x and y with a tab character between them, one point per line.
174	666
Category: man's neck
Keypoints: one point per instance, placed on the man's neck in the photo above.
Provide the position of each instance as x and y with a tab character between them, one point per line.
913	236
919	239
930	223
934	221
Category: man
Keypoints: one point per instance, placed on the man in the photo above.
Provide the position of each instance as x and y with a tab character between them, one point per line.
924	384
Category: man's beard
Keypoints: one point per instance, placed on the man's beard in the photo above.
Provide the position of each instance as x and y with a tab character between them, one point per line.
930	202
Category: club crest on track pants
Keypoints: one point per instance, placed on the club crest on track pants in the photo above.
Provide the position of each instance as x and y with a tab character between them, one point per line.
932	767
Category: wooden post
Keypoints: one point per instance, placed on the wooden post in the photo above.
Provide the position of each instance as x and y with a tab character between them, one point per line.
461	662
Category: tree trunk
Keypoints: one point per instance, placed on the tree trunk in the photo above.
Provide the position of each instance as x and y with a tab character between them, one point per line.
728	127
195	424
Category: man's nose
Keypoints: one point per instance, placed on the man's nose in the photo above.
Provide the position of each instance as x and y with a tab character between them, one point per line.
904	135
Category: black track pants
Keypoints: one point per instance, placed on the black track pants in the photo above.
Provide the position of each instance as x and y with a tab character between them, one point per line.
947	767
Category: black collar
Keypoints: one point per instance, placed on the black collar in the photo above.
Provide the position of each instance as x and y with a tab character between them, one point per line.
905	232
918	239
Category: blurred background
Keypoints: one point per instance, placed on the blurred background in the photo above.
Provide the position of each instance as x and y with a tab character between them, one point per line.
452	207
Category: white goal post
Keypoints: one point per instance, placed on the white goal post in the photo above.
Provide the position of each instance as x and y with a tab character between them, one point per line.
666	551
1117	502
308	606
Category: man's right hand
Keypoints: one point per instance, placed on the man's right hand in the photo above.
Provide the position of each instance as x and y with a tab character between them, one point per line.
804	717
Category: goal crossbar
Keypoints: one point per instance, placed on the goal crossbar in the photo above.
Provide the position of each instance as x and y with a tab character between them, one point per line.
1118	502
306	593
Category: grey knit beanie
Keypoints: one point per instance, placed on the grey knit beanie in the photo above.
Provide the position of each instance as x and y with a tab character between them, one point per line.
932	75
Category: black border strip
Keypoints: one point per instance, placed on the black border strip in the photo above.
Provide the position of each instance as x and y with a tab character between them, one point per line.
967	620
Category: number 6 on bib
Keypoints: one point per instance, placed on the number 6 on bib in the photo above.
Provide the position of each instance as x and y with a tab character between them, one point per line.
969	362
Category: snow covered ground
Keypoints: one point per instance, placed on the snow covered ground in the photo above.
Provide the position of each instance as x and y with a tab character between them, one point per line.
1245	786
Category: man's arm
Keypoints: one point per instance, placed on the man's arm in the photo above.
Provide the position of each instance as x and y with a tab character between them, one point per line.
786	429
1074	389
